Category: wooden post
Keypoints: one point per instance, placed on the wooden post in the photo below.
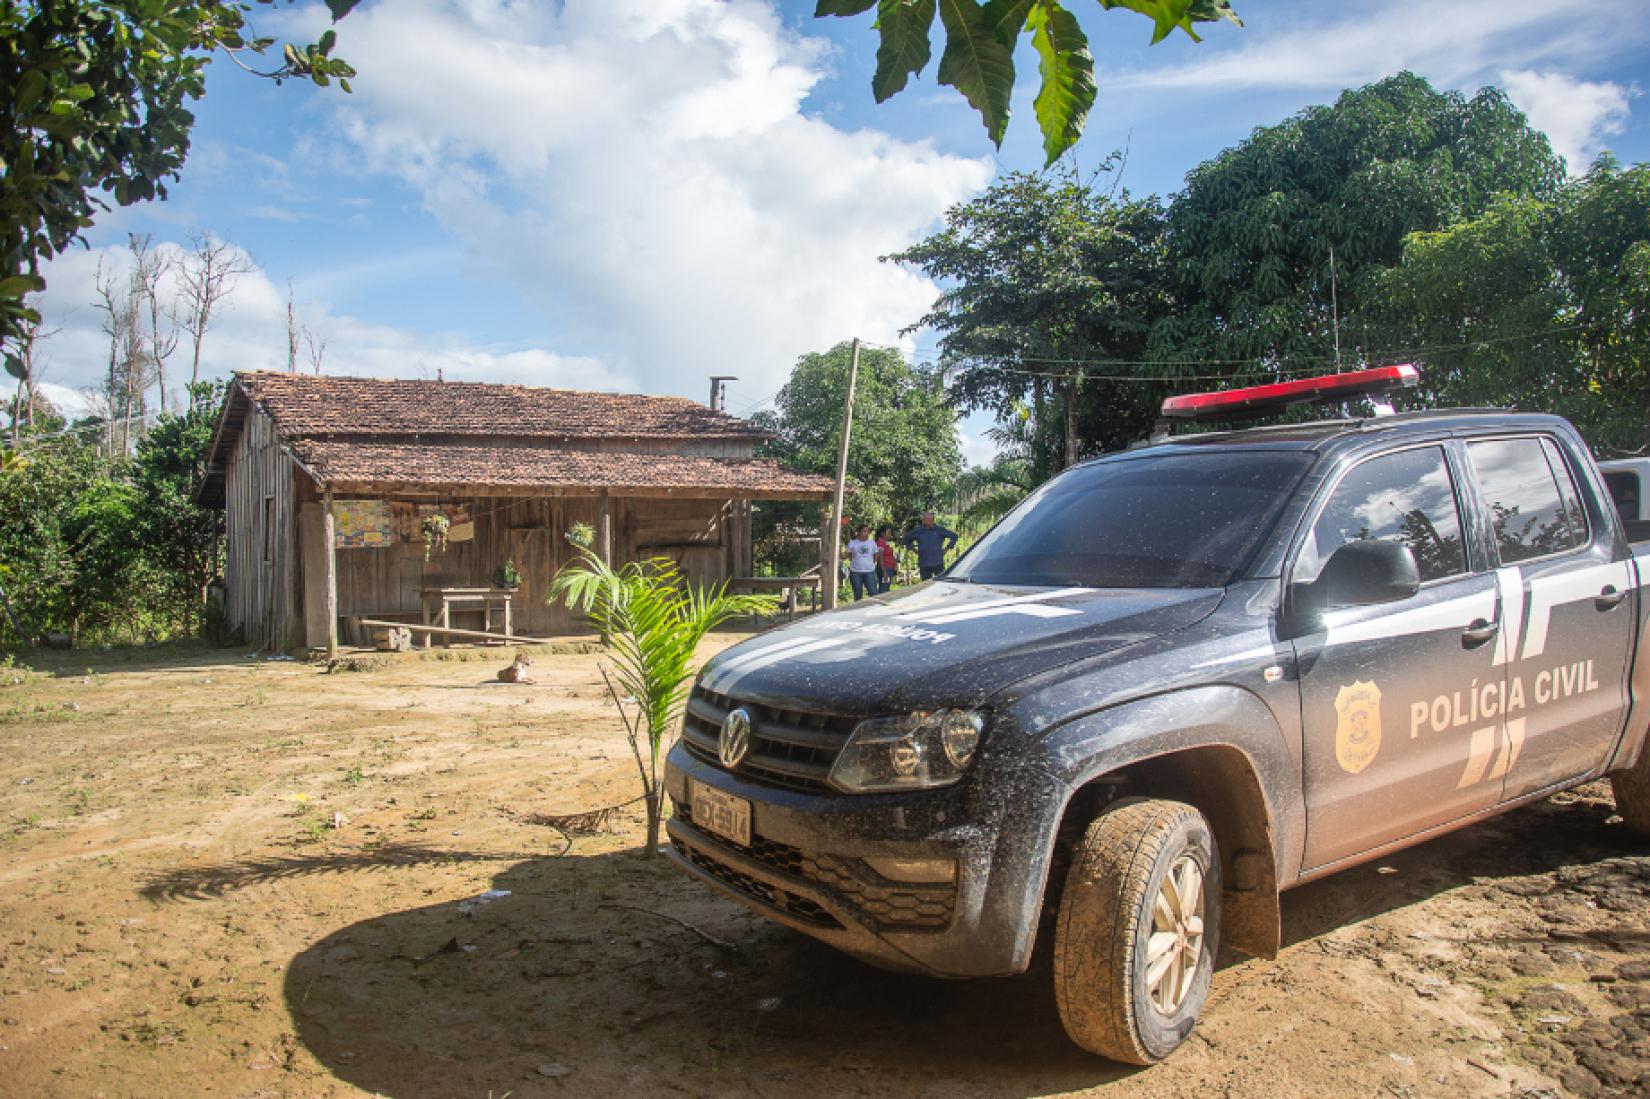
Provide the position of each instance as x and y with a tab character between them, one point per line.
833	536
330	584
604	537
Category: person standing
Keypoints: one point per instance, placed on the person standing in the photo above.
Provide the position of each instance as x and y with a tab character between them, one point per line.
932	542
887	558
862	563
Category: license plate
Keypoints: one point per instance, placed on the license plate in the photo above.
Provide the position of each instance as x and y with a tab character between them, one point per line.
722	814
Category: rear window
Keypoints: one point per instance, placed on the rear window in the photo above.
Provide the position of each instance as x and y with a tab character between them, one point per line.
1532	500
1160	521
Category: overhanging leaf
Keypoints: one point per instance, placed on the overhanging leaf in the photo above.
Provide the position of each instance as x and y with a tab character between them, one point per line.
977	64
842	7
1008	19
1068	90
904	26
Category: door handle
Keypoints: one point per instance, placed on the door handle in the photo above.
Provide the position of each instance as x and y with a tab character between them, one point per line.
1478	632
1609	599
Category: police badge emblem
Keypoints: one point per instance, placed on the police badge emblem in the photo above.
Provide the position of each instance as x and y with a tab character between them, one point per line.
1358	732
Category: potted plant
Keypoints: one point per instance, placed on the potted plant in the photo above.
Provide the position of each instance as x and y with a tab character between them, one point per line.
434	528
507	576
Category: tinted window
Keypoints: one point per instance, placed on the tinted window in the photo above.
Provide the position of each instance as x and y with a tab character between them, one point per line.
1407	497
1163	521
1532	516
1624	490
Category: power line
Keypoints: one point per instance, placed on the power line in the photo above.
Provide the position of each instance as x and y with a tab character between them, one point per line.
1263	368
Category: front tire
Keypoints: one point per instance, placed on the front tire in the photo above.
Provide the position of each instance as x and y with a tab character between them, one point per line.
1138	930
1632	790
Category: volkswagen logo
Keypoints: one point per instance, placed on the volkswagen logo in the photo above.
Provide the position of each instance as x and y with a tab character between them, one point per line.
735	740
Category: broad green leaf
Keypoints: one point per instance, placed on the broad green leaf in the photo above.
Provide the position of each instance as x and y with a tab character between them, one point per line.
904	26
1166	15
1067	93
842	7
15	286
977	64
1008	19
341	8
28	90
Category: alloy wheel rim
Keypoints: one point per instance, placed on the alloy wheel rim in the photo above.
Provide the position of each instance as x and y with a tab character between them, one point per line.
1175	946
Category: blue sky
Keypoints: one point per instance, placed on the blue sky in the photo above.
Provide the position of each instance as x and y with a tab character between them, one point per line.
634	194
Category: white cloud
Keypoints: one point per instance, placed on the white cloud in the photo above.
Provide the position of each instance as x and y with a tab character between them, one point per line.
645	173
1453	44
1576	115
251	335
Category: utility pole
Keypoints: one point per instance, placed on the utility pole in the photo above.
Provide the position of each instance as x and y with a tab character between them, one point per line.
1335	308
833	535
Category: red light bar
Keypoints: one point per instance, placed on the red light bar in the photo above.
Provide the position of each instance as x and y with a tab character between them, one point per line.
1234	404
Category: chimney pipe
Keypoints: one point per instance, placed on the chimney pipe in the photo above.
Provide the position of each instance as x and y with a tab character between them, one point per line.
718	383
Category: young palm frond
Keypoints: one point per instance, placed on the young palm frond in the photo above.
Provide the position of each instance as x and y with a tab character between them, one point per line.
652	621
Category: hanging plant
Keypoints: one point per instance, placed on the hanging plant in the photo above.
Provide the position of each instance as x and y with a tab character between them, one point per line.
582	535
434	528
507	576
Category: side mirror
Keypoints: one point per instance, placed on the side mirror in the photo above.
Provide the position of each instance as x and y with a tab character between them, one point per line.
1364	573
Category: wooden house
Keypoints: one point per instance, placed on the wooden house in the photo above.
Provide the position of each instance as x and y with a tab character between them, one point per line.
332	486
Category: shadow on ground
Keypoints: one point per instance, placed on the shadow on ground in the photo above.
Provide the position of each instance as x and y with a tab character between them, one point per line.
562	987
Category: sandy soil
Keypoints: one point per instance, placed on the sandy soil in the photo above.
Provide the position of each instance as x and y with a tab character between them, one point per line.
180	916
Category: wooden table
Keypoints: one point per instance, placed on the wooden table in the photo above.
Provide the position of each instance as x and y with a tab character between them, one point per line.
439	602
781	584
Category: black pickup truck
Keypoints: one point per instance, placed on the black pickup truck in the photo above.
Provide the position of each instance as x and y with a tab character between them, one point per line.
1172	683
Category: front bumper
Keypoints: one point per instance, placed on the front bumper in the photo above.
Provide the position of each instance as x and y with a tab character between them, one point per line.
803	867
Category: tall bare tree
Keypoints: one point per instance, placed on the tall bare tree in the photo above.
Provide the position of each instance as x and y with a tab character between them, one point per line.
26	368
150	268
130	364
316	348
206	275
293	332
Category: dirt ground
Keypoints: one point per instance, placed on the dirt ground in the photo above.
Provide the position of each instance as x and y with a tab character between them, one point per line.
222	876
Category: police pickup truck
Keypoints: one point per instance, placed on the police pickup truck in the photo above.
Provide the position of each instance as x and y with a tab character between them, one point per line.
1172	683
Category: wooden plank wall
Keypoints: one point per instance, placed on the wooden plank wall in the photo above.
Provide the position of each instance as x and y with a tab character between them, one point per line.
703	536
261	537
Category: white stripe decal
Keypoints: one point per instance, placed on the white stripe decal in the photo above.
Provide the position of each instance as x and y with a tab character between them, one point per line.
745	669
1511	583
1548	592
1452	613
942	615
1478	759
720	675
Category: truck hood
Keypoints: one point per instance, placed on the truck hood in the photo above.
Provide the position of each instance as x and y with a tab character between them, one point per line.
943	644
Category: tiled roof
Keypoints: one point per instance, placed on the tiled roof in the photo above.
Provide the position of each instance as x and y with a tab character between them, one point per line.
306	405
454	464
414	434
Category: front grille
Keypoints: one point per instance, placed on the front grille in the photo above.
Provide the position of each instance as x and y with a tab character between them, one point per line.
790	748
800	907
895	906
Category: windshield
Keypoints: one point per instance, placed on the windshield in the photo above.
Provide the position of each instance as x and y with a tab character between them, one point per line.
1159	521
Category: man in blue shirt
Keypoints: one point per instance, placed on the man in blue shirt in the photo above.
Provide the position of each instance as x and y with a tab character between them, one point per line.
932	543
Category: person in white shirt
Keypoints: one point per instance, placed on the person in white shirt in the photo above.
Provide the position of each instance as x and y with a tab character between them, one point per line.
862	563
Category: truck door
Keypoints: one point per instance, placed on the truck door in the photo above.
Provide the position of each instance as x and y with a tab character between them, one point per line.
1567	672
1396	698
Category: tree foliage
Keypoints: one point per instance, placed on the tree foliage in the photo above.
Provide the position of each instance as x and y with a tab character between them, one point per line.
1250	236
904	454
95	104
93	544
1045	275
182	540
978	59
1543	304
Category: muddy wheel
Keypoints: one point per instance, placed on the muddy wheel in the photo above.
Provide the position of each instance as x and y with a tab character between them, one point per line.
1632	790
1138	929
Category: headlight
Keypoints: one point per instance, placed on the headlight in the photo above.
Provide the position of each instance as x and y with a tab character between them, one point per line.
913	752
